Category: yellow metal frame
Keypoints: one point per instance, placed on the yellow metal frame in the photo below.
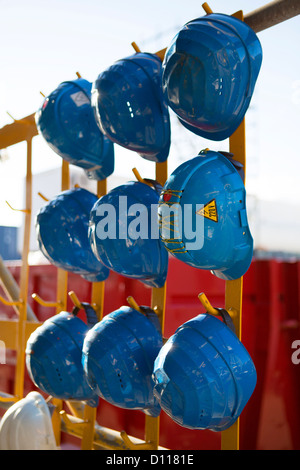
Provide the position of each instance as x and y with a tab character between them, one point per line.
80	421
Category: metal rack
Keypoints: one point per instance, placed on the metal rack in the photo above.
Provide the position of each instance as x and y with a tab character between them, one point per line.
80	421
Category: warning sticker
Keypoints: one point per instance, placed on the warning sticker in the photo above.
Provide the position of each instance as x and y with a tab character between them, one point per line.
209	211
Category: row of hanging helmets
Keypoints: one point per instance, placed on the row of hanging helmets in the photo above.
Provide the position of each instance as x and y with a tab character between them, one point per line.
207	78
202	376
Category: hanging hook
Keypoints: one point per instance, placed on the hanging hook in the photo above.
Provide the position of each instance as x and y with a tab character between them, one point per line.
45	303
206	8
135	47
43	197
74	299
133	304
139	178
206	304
10	303
26	211
161	53
15	120
131	445
73	421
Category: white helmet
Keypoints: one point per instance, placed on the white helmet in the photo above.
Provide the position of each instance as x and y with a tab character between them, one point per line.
27	425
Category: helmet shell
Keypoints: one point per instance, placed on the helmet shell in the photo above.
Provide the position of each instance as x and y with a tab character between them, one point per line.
27	425
136	256
62	234
203	375
118	358
67	122
53	358
212	186
209	74
131	108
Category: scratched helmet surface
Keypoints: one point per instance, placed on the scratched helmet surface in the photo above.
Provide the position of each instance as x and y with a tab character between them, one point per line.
118	358
53	356
67	122
202	216
209	74
131	108
122	240
203	375
62	234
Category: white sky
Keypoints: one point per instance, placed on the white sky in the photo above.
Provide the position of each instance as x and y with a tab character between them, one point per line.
46	42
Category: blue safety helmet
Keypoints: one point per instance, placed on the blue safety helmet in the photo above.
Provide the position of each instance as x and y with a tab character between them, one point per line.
131	108
125	242
203	374
203	218
62	234
54	353
209	73
67	122
118	358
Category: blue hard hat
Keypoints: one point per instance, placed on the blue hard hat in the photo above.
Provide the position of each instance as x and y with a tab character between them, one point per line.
211	185
203	374
118	358
62	234
209	74
135	255
67	122
54	353
131	108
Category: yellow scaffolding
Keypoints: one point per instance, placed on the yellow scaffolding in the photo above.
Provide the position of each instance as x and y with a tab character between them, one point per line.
81	419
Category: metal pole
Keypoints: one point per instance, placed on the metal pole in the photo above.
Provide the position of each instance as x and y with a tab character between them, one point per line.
272	14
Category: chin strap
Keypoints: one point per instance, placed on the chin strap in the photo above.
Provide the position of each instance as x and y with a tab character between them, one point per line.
89	311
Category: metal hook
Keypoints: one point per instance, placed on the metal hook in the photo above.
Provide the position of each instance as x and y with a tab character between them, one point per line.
161	53
43	197
139	178
46	303
206	8
15	120
128	442
135	47
75	299
10	303
26	211
133	304
75	421
206	304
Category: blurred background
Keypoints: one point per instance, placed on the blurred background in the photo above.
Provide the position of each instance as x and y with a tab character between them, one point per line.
45	43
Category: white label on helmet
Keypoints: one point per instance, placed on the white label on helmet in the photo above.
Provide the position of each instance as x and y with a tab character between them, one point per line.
80	98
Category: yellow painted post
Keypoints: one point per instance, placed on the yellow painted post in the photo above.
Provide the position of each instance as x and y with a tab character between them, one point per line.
234	289
61	300
21	325
158	303
90	413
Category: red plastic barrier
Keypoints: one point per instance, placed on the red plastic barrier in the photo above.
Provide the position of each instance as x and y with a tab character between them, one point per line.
270	324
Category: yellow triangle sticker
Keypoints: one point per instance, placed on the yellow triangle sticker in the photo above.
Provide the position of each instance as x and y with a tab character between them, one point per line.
209	211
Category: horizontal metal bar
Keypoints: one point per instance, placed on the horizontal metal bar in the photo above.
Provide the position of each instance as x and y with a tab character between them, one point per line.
20	130
272	14
104	437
